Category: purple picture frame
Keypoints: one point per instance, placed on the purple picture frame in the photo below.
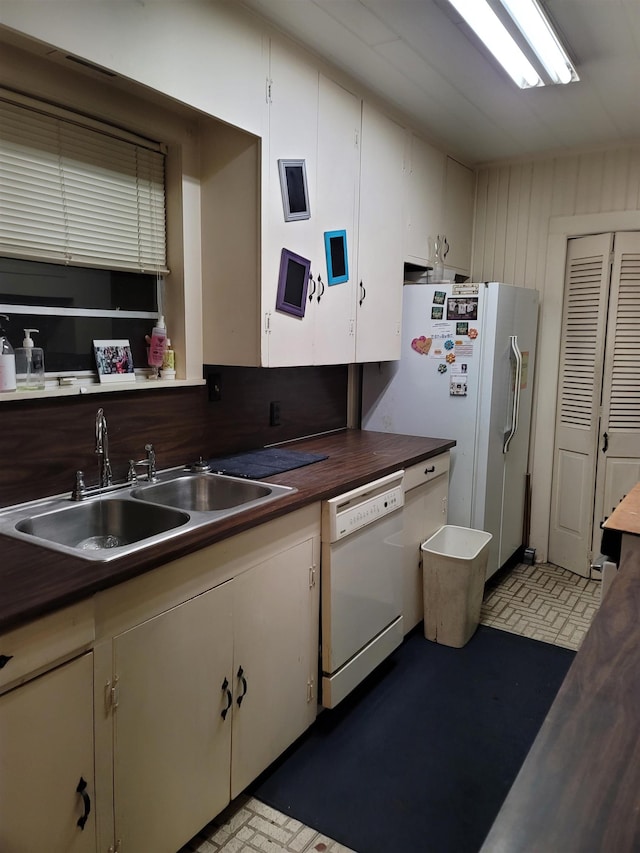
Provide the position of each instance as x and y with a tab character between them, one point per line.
293	283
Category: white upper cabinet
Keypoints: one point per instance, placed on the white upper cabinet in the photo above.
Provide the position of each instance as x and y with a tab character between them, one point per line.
207	55
459	196
424	193
292	135
380	240
333	305
440	196
353	165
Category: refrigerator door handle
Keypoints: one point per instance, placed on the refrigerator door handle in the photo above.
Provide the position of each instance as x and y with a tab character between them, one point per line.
513	340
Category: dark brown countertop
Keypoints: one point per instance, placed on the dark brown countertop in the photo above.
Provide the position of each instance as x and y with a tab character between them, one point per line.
626	516
35	580
579	788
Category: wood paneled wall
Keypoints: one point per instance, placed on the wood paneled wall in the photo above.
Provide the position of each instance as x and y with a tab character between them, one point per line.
524	213
515	200
43	442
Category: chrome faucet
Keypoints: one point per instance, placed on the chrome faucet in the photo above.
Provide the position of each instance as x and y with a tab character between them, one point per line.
102	450
149	463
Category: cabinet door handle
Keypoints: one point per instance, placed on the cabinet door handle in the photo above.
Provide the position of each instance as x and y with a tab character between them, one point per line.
313	289
605	442
363	293
82	790
4	660
225	711
320	291
430	470
244	686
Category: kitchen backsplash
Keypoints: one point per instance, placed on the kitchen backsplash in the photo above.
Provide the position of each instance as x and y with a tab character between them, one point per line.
43	442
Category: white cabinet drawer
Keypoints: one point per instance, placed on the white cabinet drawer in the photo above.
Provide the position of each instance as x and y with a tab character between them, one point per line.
425	471
43	643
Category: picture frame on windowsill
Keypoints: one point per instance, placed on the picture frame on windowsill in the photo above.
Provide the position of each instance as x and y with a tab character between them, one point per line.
114	360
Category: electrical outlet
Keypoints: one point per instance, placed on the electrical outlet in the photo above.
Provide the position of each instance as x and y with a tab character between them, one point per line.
274	413
214	384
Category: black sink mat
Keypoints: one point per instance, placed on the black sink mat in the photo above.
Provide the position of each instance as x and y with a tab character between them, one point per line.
263	463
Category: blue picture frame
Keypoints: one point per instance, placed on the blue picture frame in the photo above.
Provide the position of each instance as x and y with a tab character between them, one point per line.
335	248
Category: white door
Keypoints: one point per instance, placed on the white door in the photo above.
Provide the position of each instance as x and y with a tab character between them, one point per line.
577	411
597	448
618	454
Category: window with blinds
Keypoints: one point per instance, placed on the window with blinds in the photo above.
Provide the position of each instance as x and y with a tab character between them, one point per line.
82	232
75	194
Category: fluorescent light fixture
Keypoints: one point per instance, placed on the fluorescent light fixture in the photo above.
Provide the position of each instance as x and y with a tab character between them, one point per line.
535	27
488	27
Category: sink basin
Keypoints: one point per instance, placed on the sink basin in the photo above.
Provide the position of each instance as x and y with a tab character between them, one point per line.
126	518
102	525
206	492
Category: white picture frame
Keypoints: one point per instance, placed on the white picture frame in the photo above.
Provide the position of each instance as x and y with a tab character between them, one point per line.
114	360
293	185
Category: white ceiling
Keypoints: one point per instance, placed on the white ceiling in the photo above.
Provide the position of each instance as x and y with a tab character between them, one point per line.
419	55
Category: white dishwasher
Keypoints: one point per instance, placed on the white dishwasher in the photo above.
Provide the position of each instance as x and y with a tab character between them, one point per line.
361	591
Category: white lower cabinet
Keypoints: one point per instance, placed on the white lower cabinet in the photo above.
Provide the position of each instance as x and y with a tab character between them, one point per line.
171	745
275	643
425	511
203	695
46	762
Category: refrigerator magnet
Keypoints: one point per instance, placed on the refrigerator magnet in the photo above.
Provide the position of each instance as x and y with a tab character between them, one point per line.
421	345
458	385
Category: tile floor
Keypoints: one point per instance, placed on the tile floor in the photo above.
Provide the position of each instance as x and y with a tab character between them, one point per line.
542	601
249	826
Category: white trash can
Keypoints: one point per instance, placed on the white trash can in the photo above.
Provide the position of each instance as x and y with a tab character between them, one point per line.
454	567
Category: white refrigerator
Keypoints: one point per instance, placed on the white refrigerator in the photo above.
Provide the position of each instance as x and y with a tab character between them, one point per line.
466	372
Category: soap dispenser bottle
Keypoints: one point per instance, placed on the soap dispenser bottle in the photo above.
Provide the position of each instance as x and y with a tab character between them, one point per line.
7	361
158	343
29	364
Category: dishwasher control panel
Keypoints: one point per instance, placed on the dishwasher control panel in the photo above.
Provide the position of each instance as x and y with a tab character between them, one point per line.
354	510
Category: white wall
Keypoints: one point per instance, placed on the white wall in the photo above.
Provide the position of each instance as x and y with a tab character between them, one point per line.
525	211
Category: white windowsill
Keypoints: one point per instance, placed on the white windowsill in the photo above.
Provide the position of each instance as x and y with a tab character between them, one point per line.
81	387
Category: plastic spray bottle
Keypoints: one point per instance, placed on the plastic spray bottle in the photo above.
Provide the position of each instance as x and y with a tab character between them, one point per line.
7	361
157	344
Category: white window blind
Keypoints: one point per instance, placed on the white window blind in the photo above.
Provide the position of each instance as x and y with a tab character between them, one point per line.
73	194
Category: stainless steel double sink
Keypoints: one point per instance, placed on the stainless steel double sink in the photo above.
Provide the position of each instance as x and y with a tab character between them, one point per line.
135	516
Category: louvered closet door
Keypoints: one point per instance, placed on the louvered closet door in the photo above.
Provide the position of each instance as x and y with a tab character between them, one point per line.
618	454
577	412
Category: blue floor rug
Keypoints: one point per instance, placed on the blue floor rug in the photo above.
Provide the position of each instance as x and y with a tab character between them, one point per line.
421	756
